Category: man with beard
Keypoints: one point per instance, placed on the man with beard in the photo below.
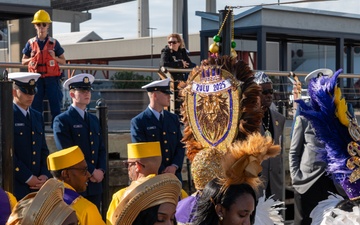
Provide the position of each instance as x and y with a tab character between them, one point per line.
272	126
156	124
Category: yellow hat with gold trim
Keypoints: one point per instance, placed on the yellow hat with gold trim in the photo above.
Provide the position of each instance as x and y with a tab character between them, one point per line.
143	150
65	158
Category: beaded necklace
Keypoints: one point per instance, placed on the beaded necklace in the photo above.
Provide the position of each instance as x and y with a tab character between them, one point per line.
267	128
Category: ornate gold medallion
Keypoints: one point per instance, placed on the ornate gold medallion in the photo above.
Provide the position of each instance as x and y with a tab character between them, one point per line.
212	106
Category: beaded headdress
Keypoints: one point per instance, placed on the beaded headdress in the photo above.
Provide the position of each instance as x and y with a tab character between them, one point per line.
221	113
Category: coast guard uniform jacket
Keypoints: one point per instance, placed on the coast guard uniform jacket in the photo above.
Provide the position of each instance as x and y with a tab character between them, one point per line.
71	129
145	127
30	150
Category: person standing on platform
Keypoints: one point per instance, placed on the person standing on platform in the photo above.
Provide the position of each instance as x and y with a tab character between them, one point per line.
78	127
175	55
273	126
43	54
30	148
157	124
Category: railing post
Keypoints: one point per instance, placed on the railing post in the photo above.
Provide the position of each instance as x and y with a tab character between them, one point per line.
102	114
6	134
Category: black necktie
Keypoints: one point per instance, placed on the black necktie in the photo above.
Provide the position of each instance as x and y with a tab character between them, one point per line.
28	116
85	116
161	118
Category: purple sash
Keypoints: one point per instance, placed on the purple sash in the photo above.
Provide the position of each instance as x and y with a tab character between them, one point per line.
70	196
5	208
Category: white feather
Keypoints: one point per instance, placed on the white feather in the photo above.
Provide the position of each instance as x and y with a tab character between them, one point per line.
268	211
324	209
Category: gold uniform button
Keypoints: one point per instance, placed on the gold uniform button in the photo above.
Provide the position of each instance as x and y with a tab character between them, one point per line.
33	142
32	132
17	169
166	150
153	135
92	161
92	143
174	132
21	133
90	133
78	135
93	152
167	159
40	132
34	153
34	162
165	141
164	133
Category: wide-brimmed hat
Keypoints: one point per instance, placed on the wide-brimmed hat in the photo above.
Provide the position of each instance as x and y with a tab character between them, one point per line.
145	193
43	207
317	73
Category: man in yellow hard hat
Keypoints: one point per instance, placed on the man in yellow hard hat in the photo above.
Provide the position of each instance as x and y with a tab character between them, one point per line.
69	166
144	160
43	54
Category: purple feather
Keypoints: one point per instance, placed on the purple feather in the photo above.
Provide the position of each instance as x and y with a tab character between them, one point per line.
328	129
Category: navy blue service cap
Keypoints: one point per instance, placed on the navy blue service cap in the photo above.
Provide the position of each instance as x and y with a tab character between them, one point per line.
159	85
81	81
26	81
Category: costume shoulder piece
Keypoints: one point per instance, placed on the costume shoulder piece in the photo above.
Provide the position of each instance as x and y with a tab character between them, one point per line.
221	105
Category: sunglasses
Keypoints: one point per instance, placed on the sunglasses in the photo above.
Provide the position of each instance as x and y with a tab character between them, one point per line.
83	170
268	91
172	42
127	164
41	24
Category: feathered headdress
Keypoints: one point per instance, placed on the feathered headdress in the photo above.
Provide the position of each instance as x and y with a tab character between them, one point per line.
335	126
242	163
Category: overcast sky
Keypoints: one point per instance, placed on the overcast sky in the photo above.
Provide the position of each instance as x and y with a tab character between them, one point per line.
121	20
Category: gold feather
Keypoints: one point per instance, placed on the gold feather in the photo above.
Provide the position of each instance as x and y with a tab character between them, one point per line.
341	107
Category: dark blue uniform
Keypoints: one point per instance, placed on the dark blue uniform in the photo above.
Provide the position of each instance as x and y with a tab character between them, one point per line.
30	150
145	127
70	129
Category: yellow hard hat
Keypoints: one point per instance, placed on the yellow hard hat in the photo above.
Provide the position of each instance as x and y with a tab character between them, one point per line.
41	16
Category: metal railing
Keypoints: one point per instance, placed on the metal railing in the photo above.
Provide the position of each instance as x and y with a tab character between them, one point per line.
122	108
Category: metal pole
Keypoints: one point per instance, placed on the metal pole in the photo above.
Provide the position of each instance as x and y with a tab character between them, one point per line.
185	26
152	45
6	134
225	35
102	114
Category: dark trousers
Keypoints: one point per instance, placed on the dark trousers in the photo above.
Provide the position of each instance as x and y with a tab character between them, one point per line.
305	203
51	87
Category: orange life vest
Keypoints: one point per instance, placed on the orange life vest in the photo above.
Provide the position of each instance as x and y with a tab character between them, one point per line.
41	60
